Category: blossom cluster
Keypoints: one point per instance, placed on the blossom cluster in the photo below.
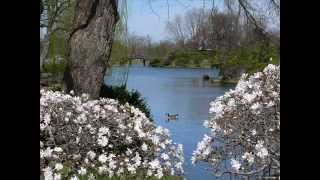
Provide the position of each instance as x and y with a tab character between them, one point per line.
245	127
81	137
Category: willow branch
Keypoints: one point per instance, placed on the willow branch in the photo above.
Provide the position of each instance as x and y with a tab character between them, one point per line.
150	5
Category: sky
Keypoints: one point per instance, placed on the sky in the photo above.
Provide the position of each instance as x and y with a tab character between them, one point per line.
149	17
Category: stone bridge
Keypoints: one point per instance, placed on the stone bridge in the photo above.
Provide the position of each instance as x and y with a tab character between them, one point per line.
143	59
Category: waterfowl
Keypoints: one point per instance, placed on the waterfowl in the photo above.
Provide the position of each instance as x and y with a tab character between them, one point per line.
172	117
206	77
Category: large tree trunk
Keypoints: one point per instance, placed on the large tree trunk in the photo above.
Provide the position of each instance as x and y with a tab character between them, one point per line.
89	45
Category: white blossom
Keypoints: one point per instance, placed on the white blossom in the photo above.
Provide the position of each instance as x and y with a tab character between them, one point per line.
253	132
235	164
103	141
104	131
58	166
155	164
82	171
74	178
144	147
159	174
164	156
245	126
102	158
57	176
91	155
262	152
96	130
47	172
58	149
249	157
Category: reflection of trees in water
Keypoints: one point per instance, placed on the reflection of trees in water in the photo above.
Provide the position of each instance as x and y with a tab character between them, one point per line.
117	76
200	82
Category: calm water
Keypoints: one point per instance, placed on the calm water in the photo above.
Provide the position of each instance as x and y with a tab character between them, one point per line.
179	91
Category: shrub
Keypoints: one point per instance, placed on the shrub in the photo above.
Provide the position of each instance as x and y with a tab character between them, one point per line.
54	68
190	58
121	94
253	58
79	136
155	62
245	137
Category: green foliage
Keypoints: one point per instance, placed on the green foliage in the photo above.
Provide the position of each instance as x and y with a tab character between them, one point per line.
187	58
59	34
121	27
54	68
55	87
67	16
255	58
123	95
251	59
57	46
156	62
160	51
119	53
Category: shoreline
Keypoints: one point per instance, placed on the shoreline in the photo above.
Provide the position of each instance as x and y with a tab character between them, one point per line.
171	67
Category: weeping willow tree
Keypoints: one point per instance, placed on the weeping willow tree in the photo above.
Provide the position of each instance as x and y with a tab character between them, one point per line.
119	52
58	38
56	21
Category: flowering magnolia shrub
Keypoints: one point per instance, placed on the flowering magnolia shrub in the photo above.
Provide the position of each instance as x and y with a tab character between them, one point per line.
245	128
84	138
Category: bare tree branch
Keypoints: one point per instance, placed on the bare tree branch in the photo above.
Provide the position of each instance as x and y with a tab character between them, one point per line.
185	6
244	6
150	5
168	9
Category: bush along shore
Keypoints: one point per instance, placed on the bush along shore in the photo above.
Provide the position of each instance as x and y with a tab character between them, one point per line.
121	94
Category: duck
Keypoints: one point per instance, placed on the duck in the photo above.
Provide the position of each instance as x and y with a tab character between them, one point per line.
172	117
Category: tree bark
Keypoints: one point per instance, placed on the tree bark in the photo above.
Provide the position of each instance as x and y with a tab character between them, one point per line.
89	45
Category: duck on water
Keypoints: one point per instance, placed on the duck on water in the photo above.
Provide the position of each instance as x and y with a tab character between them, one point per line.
172	116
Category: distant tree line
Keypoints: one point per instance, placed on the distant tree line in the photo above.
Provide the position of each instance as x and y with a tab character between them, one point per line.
241	36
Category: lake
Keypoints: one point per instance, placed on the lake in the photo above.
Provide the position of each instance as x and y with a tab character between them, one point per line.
177	91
